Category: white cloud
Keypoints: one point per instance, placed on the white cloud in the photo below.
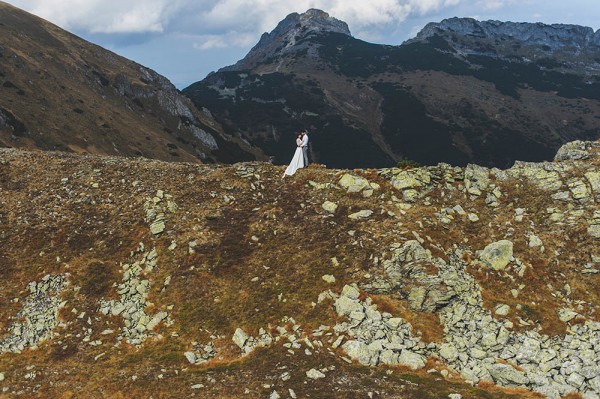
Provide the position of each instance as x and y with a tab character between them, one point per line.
103	16
231	39
216	19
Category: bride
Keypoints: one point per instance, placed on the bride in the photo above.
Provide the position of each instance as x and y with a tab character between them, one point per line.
297	160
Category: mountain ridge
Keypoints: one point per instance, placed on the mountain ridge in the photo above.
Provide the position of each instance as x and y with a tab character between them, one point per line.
60	92
428	100
291	29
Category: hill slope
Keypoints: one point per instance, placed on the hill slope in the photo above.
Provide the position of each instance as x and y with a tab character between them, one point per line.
461	91
59	92
124	278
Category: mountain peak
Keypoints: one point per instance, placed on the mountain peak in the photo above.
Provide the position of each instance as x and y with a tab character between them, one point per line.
554	36
313	20
288	32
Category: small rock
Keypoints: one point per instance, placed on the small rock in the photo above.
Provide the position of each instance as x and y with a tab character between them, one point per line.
364	214
534	241
274	395
497	255
566	315
473	217
448	352
502	309
411	359
329	206
328	278
314	374
157	227
191	357
240	338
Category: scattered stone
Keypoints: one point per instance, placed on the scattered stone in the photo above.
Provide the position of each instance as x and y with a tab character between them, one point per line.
411	359
329	206
274	395
133	292
364	214
314	374
473	217
240	338
448	352
497	255
566	315
353	184
534	241
328	278
502	310
38	316
191	357
506	375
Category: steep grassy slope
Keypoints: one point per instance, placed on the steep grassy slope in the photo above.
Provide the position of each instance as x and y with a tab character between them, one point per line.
116	272
59	92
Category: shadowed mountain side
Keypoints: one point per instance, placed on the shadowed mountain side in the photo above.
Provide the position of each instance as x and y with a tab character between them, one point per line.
59	92
436	98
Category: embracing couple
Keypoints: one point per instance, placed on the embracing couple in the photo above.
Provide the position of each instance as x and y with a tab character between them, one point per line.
300	158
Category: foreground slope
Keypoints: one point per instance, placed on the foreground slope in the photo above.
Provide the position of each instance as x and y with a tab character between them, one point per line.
461	91
129	277
59	92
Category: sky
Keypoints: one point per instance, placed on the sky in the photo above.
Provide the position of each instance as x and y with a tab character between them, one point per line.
184	40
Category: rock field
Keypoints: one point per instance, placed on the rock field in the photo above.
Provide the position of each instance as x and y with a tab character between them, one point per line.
125	277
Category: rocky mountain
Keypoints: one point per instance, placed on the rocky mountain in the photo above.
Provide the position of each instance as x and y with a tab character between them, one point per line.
558	46
461	91
59	92
134	277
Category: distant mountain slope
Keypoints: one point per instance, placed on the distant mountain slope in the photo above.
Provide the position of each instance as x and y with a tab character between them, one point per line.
461	91
59	92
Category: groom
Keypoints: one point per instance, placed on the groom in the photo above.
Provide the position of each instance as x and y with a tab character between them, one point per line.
304	146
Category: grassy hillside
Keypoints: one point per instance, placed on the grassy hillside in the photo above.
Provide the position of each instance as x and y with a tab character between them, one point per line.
117	271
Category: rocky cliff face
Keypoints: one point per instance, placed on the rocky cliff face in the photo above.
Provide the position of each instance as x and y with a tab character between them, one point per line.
463	91
554	36
289	36
143	277
59	92
574	46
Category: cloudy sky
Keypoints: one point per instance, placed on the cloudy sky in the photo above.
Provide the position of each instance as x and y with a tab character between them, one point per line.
186	39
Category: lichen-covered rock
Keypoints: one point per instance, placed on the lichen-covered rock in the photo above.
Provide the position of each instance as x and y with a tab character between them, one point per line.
497	255
575	150
411	359
363	214
240	338
352	183
329	206
358	351
506	375
477	179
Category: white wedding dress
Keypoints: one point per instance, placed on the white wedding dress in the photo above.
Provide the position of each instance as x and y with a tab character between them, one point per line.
297	160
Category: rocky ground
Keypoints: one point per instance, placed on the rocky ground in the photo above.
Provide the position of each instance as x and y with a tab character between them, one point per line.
135	278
